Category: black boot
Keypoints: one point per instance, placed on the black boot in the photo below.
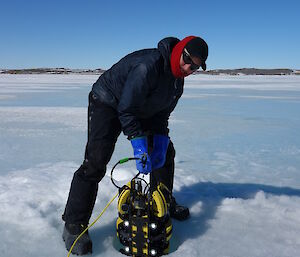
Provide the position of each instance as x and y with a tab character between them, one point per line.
83	245
177	211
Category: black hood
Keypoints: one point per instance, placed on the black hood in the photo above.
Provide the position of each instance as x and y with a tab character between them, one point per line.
142	89
165	46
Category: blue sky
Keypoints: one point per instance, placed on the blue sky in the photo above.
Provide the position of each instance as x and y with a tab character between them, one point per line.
96	34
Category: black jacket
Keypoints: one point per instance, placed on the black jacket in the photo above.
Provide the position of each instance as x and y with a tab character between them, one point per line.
142	88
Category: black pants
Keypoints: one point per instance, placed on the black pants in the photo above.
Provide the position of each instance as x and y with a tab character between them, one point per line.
103	130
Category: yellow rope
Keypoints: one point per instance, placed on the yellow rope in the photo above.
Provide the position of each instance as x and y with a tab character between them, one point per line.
92	224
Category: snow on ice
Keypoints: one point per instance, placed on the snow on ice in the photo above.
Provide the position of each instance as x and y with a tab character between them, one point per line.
237	141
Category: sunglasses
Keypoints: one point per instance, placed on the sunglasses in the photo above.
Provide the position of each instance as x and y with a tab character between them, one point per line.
188	60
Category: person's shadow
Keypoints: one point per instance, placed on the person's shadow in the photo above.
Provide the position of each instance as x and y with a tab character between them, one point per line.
210	195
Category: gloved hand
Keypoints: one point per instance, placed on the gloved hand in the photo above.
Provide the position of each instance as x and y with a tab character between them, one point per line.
140	150
160	147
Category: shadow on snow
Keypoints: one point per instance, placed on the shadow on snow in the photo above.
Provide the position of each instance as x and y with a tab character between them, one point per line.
210	195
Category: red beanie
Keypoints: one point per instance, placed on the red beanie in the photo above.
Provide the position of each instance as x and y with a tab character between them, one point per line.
175	56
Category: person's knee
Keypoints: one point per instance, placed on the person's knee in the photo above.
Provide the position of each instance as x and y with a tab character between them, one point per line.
89	172
97	156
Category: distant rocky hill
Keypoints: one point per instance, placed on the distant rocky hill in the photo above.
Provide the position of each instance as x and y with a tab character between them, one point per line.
51	71
251	71
242	71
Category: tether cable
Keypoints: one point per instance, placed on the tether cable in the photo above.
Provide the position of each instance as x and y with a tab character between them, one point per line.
92	224
109	203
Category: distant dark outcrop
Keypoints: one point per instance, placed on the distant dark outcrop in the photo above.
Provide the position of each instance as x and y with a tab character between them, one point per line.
251	71
52	71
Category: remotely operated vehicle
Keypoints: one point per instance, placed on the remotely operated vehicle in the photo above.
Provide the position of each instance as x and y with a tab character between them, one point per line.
144	226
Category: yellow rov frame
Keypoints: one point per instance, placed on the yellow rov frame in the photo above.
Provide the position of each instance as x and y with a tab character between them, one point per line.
144	226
